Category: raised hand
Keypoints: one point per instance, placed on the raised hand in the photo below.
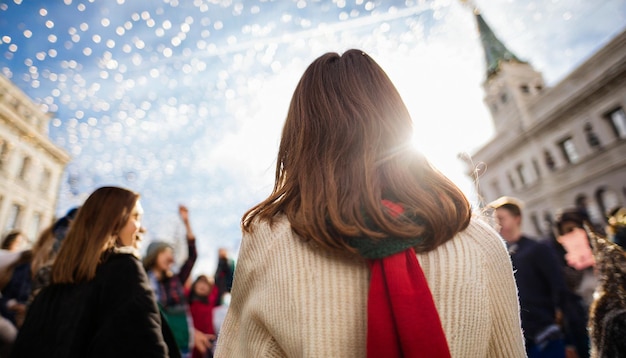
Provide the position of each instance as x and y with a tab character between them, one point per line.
184	215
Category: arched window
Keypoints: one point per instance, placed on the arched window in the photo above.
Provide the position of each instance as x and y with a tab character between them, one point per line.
607	199
617	121
568	150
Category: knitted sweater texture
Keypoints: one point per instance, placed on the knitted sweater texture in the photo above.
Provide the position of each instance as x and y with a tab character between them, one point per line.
292	299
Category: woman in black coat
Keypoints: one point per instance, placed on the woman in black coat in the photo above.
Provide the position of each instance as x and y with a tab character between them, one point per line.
99	303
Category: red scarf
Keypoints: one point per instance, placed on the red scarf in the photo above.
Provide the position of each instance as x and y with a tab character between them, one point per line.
402	317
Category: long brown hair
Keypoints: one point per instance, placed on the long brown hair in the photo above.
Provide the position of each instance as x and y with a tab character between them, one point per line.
92	233
345	146
42	250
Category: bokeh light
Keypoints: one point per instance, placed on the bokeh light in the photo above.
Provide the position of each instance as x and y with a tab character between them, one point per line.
183	101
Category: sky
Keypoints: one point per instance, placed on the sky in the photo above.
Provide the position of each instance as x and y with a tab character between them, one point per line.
183	101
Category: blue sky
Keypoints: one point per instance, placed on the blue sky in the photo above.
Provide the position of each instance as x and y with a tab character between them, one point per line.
183	101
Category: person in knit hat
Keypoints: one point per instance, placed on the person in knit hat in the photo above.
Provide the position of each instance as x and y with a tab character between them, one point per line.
363	249
169	288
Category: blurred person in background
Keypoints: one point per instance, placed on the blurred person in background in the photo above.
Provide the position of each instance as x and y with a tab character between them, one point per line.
170	291
14	241
543	293
46	249
99	302
573	248
15	293
9	260
203	297
224	273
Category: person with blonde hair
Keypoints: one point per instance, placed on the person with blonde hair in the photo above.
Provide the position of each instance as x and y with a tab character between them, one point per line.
363	248
99	302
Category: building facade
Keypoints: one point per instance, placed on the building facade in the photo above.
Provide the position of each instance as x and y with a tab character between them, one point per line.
31	166
558	147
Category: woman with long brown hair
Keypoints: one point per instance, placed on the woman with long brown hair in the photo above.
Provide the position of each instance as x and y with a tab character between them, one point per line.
99	302
363	248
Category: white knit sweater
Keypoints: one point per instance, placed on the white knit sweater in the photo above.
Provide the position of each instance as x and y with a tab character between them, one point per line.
291	299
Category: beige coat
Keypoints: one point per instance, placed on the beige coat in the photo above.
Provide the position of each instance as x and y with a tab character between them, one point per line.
291	299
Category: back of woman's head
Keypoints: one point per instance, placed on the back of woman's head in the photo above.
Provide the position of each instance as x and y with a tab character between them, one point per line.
93	231
346	145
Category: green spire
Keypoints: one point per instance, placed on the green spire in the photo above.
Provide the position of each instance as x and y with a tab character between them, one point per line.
495	51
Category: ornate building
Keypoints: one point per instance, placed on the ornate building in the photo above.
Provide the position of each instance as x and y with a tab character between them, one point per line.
30	164
554	147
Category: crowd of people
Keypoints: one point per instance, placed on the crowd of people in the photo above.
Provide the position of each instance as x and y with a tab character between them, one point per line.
82	290
362	249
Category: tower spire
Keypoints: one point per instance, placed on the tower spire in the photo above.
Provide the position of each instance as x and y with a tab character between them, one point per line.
495	51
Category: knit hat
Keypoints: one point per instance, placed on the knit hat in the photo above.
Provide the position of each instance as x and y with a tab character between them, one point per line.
154	249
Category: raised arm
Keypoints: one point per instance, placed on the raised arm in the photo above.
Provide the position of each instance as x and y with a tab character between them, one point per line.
185	270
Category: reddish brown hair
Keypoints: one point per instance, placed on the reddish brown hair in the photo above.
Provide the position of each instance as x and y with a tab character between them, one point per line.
93	231
346	146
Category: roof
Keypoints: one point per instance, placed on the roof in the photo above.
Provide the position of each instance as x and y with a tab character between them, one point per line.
495	51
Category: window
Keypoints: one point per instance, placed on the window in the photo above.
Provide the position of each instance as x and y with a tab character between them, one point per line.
569	150
33	228
25	170
547	219
44	183
539	88
536	167
607	200
617	120
535	221
521	174
4	152
511	180
504	98
549	160
525	89
495	186
14	217
592	137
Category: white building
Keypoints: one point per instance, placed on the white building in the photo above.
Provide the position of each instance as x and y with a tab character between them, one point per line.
30	164
557	147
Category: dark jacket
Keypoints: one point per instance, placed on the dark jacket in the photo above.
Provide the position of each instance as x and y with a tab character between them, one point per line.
113	315
17	289
541	285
